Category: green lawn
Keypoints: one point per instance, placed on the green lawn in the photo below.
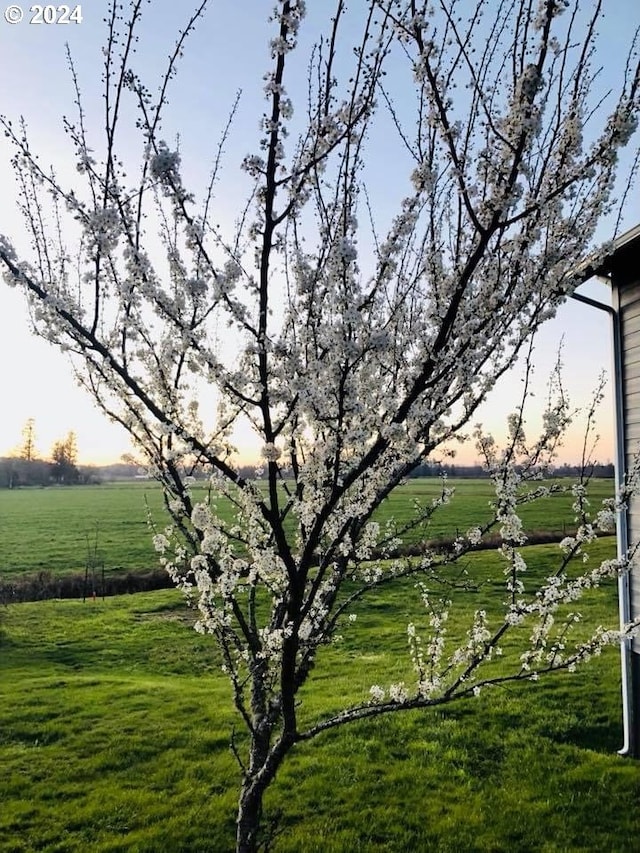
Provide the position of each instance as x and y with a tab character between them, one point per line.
115	727
55	529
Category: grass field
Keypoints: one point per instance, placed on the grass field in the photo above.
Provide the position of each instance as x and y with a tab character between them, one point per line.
55	529
115	727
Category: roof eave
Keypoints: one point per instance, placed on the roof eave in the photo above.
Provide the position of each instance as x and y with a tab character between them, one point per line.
621	248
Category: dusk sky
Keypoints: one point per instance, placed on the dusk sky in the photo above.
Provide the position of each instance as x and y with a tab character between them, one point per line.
35	379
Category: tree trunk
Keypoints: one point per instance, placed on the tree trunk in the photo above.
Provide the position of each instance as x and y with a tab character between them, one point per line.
263	766
249	815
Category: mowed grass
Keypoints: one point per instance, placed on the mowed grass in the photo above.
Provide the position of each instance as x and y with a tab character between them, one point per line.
115	725
57	529
470	506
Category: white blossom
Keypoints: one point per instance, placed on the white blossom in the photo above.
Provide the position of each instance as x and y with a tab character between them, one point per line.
377	694
164	164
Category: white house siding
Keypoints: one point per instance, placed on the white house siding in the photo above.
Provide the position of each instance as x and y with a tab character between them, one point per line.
627	289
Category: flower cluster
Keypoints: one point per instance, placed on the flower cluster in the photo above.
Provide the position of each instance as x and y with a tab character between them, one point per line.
165	164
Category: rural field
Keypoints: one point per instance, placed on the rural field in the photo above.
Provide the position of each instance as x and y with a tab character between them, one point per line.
115	719
57	529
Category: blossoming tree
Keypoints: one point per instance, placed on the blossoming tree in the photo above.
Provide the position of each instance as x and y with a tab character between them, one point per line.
351	365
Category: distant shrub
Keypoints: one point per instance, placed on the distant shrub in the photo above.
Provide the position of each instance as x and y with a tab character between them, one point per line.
46	584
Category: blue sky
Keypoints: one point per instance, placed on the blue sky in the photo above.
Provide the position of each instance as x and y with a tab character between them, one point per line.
228	52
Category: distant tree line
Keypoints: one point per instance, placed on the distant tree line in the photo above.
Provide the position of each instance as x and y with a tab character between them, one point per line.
26	468
437	469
